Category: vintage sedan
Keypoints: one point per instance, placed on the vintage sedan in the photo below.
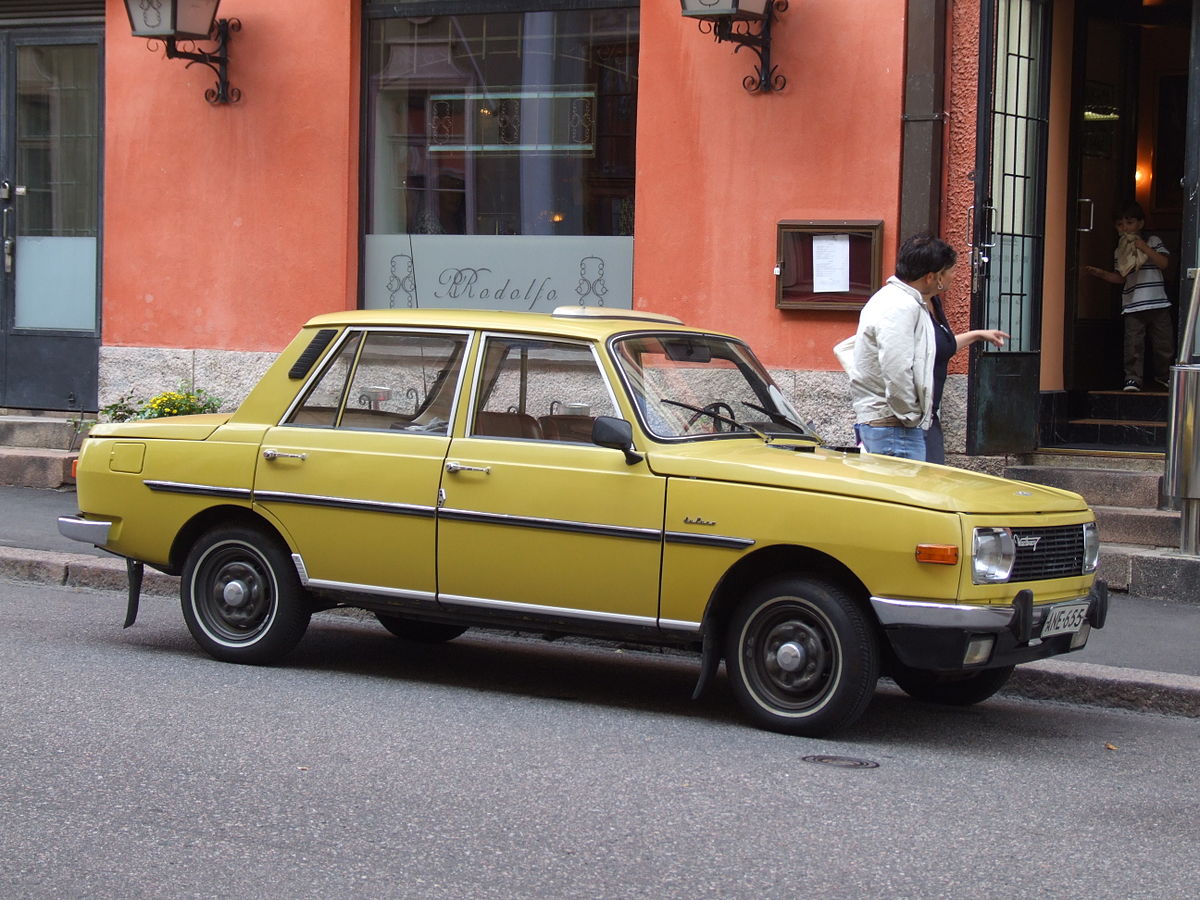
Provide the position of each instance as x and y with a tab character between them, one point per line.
591	472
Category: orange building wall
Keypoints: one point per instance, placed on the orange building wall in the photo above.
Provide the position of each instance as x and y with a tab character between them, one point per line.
227	226
718	167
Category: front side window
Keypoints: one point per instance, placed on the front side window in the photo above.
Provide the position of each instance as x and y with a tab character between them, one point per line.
387	381
501	159
695	385
540	390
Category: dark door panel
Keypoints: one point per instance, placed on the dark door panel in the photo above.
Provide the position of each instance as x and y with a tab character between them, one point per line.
50	106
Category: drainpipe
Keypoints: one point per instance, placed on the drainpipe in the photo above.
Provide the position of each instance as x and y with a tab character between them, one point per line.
923	118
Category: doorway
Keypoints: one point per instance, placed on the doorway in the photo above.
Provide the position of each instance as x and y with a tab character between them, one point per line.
1129	134
50	165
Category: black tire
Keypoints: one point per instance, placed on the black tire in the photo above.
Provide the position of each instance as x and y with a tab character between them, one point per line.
421	632
830	665
951	688
241	597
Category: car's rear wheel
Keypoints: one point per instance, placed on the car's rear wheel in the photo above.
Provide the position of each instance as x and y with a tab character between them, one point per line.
951	688
241	597
416	630
802	657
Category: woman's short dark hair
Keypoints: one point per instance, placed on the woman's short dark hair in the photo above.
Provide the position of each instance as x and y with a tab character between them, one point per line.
922	254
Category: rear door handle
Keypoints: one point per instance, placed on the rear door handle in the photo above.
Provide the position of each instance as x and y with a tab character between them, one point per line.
459	467
279	454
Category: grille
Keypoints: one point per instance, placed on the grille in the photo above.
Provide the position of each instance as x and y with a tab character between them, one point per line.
1048	553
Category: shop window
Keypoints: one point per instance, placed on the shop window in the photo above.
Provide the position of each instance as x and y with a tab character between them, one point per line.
501	156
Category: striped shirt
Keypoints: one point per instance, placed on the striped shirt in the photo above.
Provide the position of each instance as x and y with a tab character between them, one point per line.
1145	287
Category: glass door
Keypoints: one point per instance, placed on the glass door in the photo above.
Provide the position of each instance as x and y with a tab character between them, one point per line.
50	104
1008	224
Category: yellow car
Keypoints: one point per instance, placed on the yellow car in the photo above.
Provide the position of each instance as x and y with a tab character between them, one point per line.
599	472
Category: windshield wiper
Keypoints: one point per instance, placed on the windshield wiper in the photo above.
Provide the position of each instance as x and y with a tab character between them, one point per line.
781	419
713	414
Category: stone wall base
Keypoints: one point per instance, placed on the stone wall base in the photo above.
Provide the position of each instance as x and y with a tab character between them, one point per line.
822	398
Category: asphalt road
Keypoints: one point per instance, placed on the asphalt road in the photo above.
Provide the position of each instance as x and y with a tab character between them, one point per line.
133	766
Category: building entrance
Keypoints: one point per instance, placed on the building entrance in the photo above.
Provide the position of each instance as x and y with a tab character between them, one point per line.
1129	114
50	112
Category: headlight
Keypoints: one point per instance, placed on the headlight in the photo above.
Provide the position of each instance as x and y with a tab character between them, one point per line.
992	555
1091	547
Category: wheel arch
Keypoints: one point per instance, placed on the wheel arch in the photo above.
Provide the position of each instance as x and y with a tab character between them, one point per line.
772	562
224	515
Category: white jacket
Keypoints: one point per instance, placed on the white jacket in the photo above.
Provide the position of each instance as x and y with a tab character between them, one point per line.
890	358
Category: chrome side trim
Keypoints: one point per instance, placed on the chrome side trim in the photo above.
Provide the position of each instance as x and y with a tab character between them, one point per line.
401	509
209	490
509	606
301	569
679	625
925	614
617	531
89	531
351	587
709	540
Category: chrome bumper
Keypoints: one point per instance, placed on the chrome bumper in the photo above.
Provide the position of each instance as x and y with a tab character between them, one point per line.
88	531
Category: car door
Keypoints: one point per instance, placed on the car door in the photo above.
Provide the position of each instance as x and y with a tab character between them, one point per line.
351	473
535	518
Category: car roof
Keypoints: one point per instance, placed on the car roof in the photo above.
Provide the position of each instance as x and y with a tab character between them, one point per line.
593	322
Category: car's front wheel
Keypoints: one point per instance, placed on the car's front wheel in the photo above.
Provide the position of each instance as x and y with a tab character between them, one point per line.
802	657
951	688
241	597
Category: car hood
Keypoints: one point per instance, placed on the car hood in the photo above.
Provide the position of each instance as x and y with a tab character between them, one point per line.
883	478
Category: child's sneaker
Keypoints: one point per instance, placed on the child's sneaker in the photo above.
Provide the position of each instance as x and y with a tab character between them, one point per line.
1161	384
1131	385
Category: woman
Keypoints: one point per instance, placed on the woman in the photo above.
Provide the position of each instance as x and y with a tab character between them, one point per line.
901	352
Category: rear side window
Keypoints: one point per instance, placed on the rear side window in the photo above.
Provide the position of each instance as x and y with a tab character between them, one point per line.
386	381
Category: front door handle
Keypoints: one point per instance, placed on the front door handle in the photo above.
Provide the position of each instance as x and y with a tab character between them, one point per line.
279	454
459	467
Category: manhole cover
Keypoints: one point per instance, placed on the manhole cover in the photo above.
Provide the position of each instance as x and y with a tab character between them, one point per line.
842	762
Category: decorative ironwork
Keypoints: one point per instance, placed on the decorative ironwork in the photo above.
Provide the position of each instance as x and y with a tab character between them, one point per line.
740	32
217	59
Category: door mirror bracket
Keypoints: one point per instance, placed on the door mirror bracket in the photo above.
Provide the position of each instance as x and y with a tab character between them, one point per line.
616	434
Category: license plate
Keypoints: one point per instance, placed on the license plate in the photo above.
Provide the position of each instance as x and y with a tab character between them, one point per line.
1064	619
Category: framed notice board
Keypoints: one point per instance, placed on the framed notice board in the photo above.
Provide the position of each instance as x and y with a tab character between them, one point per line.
827	265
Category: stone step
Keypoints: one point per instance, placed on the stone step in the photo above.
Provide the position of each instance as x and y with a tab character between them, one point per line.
1134	405
1146	527
34	467
1140	433
43	432
1161	573
1064	458
1099	486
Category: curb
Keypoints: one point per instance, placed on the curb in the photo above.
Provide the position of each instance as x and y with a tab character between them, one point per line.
1110	686
1052	679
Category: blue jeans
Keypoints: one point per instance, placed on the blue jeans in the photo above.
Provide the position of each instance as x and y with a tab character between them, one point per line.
894	440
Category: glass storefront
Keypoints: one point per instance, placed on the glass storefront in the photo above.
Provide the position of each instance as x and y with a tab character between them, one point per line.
500	159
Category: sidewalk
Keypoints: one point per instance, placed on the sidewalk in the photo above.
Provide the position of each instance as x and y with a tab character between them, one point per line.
1144	658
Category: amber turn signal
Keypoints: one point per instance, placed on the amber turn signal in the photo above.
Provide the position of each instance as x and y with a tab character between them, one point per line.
938	554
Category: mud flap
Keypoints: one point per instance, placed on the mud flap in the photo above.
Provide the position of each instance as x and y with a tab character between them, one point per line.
134	570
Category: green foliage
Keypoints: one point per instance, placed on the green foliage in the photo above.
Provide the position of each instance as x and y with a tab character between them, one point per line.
184	401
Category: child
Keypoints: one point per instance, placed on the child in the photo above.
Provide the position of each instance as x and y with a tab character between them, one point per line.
1139	264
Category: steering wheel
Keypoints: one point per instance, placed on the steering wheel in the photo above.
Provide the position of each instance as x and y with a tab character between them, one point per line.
714	409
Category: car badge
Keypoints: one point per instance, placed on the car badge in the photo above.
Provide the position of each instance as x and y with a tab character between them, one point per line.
689	520
1028	541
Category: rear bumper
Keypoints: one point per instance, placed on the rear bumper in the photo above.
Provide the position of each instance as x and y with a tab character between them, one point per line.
87	531
936	636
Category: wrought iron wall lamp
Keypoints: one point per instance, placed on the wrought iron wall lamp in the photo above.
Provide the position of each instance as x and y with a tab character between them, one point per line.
733	21
171	21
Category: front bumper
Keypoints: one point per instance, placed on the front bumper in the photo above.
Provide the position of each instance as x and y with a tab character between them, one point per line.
937	636
88	531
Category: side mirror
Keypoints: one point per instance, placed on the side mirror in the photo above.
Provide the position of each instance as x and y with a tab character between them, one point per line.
616	434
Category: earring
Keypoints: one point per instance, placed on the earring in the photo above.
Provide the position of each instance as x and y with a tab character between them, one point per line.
941	287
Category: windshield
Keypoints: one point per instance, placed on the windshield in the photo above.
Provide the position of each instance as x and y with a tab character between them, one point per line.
700	386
